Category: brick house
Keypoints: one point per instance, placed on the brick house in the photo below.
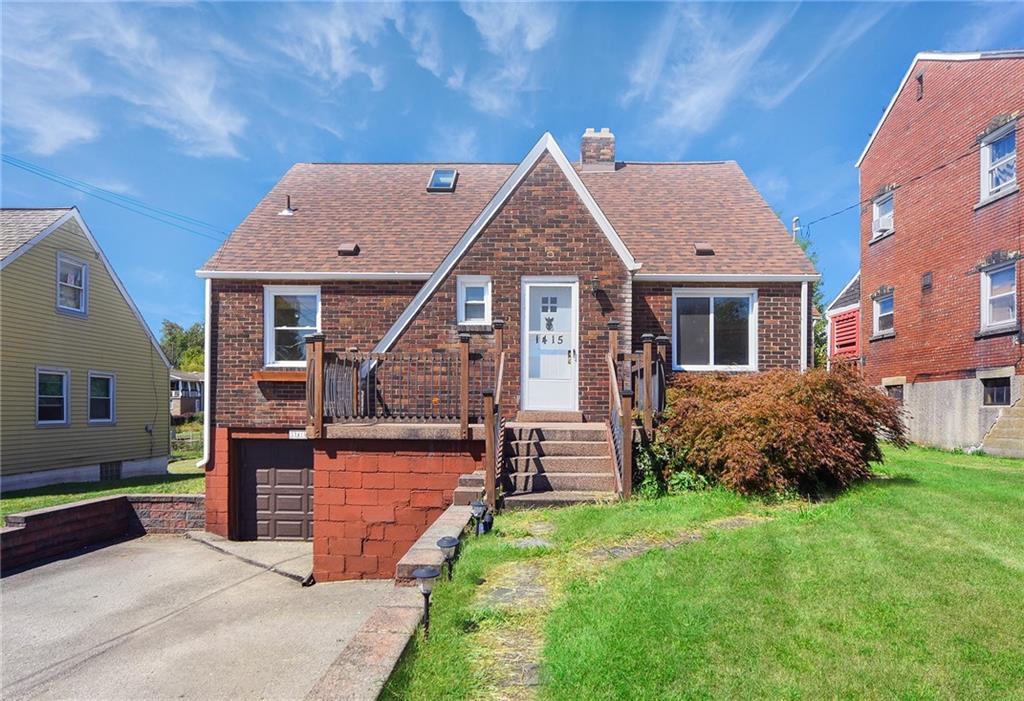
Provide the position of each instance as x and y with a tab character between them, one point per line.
364	320
940	239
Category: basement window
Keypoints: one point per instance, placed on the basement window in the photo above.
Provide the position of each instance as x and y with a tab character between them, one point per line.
443	180
996	391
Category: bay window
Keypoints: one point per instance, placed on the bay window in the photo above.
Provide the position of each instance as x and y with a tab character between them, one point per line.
290	313
714	329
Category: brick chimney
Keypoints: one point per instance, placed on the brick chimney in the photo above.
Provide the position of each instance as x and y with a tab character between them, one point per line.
597	150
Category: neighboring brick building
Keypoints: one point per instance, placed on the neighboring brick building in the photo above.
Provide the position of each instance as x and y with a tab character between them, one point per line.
941	242
419	263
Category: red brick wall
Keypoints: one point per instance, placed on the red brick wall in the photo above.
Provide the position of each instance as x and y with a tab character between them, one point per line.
218	468
375	498
778	330
543	229
937	229
352	314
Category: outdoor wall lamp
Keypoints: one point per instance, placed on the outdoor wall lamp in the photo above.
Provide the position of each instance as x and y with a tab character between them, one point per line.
595	284
448	545
425	577
478	509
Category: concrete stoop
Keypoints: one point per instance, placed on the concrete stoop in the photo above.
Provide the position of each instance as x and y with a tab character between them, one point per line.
557	464
1006	437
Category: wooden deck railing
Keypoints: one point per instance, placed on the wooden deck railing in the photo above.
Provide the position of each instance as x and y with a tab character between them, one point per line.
439	386
494	429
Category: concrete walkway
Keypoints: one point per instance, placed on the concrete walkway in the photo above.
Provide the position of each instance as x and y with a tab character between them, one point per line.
163	617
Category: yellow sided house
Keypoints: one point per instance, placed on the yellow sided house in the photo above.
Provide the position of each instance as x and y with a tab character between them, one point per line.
84	386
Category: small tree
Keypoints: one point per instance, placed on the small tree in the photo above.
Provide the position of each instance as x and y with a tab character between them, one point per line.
176	341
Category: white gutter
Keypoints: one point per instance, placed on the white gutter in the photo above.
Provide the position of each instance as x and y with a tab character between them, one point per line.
207	375
304	275
803	326
724	277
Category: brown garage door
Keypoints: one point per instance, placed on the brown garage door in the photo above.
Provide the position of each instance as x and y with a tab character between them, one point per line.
276	490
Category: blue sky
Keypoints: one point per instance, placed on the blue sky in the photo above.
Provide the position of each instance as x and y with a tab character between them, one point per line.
200	108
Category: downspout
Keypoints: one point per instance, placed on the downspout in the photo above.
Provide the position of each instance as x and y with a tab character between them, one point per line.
207	385
803	327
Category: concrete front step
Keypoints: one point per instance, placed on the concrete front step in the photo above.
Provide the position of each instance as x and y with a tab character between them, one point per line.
1004	447
558	448
1001	430
579	432
473	479
537	417
540	500
562	463
560	481
463	496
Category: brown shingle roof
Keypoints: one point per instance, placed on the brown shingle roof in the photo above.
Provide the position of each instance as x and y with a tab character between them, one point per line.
19	226
659	209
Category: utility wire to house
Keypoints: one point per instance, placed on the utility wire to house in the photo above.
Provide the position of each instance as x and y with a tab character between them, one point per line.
131	204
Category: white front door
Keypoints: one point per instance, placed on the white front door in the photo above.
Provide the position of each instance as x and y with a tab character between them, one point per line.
549	344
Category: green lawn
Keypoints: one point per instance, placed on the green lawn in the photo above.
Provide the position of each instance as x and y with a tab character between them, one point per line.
184	478
907	586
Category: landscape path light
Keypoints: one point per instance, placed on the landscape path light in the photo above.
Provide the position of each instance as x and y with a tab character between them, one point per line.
448	545
425	577
478	509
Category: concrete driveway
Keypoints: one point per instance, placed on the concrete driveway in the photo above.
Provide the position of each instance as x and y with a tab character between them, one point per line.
162	617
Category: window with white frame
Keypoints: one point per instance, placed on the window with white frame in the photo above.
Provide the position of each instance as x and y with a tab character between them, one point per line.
999	161
474	300
882	216
52	396
884	314
101	398
999	297
290	313
714	329
72	284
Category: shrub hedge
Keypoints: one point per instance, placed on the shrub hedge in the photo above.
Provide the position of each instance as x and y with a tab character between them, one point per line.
780	430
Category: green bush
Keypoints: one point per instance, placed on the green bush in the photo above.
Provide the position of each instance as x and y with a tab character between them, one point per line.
775	431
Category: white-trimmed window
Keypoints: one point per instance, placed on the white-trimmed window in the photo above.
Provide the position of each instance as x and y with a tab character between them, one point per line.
290	313
52	396
882	216
884	315
999	297
999	161
714	329
474	300
72	284
102	403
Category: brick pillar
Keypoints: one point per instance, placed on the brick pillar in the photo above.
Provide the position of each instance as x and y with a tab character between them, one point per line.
218	469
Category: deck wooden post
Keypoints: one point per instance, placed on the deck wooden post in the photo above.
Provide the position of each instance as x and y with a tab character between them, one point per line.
490	478
648	364
627	444
664	353
464	384
315	385
499	336
613	339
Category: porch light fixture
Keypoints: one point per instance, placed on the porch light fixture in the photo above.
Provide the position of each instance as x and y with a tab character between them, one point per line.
425	577
595	284
448	545
478	509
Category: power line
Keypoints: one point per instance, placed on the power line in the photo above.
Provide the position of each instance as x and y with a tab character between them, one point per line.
911	181
164	216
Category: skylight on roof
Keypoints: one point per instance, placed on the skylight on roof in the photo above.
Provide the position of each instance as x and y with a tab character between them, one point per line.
443	180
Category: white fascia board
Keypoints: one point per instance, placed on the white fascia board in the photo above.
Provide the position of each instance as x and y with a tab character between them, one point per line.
725	277
74	214
923	56
304	275
546	144
856	276
207	372
28	245
841	310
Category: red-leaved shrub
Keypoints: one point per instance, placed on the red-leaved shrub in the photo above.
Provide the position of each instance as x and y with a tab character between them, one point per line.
780	430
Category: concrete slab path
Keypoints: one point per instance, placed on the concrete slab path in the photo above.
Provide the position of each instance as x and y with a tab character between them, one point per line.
163	617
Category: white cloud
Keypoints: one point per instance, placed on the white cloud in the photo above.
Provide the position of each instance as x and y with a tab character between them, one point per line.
423	31
851	28
451	144
992	25
512	34
59	65
695	64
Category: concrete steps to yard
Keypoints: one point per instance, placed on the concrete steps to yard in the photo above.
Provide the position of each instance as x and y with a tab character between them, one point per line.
556	463
1006	437
470	488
